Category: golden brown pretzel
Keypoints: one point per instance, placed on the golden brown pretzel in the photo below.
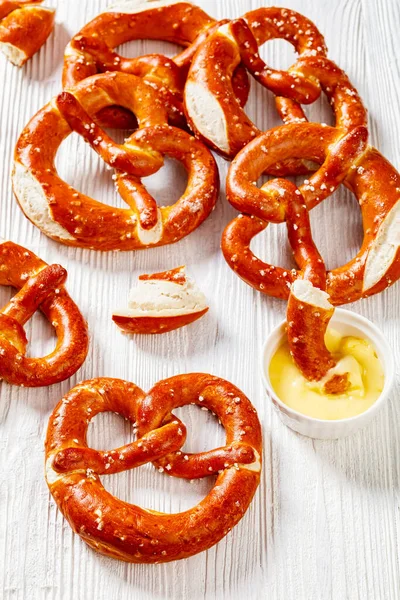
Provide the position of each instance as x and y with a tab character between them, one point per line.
40	286
212	110
126	531
349	160
76	219
24	28
92	51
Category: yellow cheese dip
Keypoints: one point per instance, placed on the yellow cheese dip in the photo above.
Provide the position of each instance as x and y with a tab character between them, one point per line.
354	355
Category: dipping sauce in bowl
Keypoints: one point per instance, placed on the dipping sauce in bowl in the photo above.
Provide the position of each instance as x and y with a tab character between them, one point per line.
355	356
364	352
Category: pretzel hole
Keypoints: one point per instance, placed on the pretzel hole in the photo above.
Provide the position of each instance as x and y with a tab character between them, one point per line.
278	54
168	184
336	226
260	107
6	293
109	430
320	111
145	486
79	165
148	488
204	432
272	246
40	333
41	336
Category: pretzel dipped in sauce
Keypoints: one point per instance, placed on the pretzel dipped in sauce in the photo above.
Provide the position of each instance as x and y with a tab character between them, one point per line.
212	110
308	315
125	531
40	287
162	302
92	51
75	219
25	25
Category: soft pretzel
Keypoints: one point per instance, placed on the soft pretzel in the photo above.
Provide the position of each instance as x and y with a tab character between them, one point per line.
92	51
24	28
162	302
212	110
40	286
345	159
126	531
75	219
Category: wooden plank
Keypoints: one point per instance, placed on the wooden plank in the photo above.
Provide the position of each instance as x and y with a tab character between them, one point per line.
325	522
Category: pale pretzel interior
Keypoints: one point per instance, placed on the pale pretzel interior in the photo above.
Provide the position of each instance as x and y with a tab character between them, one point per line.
164	298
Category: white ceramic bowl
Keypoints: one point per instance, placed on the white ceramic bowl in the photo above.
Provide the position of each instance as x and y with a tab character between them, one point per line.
346	323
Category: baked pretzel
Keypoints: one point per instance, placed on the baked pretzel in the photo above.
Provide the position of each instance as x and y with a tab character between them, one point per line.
349	160
24	28
75	219
212	110
126	531
92	51
40	286
162	302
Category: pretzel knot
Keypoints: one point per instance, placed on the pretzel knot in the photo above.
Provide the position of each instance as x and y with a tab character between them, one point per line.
92	51
75	219
40	286
123	530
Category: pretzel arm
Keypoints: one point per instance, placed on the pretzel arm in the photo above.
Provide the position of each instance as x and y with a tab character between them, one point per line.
203	464
308	311
138	198
150	447
7	6
142	162
343	157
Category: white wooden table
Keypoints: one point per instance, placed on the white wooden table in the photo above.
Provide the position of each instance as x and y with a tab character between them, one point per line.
325	522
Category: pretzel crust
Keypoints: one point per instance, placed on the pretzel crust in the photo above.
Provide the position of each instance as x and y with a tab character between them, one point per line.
24	28
75	219
125	531
156	325
41	287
